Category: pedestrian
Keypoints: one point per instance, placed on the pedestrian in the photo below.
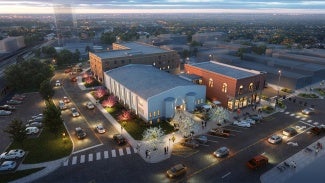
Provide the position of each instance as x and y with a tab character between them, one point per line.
165	150
138	147
147	153
205	123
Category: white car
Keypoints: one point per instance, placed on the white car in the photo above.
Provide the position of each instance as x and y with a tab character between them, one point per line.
62	105
274	139
308	111
249	120
242	124
12	154
57	83
8	165
35	123
100	129
90	105
31	130
40	115
5	113
74	112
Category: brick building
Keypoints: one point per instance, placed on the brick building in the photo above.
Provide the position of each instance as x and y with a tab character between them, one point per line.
134	53
233	86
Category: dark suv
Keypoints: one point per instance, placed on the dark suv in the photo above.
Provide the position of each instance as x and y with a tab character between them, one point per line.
81	134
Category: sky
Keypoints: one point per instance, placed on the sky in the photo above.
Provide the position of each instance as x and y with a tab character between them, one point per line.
166	6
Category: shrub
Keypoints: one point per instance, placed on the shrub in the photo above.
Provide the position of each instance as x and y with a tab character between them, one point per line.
110	101
125	115
287	90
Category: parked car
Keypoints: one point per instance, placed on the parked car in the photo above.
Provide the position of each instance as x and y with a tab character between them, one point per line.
100	129
119	139
189	142
74	112
80	133
219	132
308	111
20	95
35	124
274	139
5	113
221	152
90	105
251	121
57	83
257	161
289	132
36	119
17	97
202	139
7	107
242	124
40	115
8	165
176	170
31	130
256	117
12	154
14	102
316	130
62	105
66	99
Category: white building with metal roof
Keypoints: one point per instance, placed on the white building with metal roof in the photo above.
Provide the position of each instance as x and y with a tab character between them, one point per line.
151	93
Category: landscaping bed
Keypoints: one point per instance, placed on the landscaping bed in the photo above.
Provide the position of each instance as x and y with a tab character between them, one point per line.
308	95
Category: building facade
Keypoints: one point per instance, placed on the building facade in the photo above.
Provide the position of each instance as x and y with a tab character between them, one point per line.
134	53
234	87
153	94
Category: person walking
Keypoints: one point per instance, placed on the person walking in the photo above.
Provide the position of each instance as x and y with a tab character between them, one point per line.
165	149
147	153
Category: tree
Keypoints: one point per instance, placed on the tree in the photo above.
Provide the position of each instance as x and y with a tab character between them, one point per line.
46	90
153	136
16	130
108	38
64	57
188	126
125	115
219	114
52	117
110	101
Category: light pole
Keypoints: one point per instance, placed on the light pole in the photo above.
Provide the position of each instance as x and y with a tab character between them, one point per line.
279	82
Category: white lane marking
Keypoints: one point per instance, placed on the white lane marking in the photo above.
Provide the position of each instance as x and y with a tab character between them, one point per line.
105	154
74	160
128	150
113	153
121	152
90	157
82	158
66	162
87	148
227	174
98	157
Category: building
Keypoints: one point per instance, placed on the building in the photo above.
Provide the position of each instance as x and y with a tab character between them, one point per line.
233	86
151	93
133	53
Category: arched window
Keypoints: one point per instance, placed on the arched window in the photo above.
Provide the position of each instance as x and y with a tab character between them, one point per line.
251	87
240	91
224	87
210	82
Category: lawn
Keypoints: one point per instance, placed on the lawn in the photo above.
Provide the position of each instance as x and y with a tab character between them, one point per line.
308	95
17	175
46	147
136	126
320	91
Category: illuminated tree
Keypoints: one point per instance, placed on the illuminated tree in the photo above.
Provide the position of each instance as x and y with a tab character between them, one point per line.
110	101
100	92
89	80
187	126
125	115
219	114
153	137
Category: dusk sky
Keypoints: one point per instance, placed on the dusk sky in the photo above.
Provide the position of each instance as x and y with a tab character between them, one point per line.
166	6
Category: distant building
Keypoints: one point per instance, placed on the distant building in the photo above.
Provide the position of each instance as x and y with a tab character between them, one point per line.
151	93
207	36
133	53
233	86
11	44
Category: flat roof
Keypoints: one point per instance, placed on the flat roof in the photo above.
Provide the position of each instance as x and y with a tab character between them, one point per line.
146	80
135	48
227	70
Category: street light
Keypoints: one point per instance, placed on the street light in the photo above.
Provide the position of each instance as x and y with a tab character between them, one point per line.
279	82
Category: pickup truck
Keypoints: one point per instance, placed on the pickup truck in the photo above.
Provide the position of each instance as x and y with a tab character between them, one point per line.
219	132
257	161
316	130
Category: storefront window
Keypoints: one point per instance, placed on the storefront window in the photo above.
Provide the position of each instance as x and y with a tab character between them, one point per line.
224	87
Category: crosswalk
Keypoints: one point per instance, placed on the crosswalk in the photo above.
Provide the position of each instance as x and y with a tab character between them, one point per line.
97	156
303	119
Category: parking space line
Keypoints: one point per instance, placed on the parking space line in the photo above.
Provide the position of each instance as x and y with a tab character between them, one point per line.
216	136
121	152
113	153
90	157
98	157
105	154
128	150
74	160
213	141
82	158
306	123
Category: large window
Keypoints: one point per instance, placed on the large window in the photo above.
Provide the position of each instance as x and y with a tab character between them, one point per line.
240	90
210	82
224	87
